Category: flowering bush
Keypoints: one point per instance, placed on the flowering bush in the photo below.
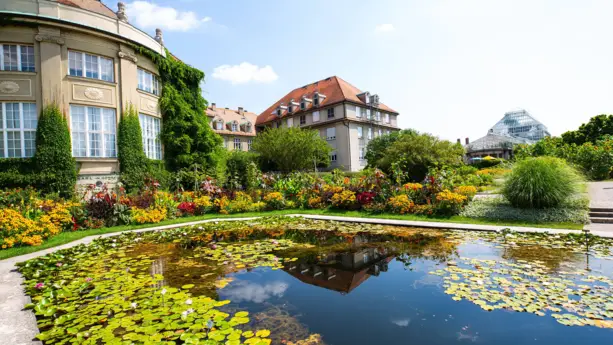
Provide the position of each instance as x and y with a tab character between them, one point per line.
203	204
146	216
242	203
274	200
449	203
345	200
365	198
401	204
316	202
15	229
412	186
221	204
467	191
187	208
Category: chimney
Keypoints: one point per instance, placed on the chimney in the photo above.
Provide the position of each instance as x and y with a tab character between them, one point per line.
241	111
158	36
213	106
467	141
459	141
121	12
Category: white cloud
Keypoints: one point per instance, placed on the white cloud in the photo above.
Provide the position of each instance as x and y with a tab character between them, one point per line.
385	28
245	73
402	322
242	291
148	15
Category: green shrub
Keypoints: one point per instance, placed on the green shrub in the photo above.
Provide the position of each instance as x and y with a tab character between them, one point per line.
53	157
498	209
241	170
540	182
133	162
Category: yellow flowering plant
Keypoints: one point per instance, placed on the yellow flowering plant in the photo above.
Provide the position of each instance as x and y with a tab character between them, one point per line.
401	204
17	230
274	200
467	191
345	200
449	203
147	216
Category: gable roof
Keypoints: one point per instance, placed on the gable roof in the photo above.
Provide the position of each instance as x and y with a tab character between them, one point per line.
90	5
231	115
335	90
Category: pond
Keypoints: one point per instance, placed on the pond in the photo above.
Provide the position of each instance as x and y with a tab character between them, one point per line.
296	281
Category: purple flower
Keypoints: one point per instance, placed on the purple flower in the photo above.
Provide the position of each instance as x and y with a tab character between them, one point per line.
88	279
39	286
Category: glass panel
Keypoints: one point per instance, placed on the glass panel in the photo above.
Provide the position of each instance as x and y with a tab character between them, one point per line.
2	144
94	119
109	145
10	58
75	64
12	116
13	144
91	66
30	119
29	138
77	115
27	59
95	145
107	69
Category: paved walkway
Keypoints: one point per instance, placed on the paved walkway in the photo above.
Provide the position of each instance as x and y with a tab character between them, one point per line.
601	196
18	326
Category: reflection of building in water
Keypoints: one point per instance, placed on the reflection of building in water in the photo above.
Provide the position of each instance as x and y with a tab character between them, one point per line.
157	267
342	272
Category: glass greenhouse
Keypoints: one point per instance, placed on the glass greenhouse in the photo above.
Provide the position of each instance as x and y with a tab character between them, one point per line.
521	124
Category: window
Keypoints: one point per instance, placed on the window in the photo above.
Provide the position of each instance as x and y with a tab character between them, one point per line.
150	127
360	132
387	118
93	131
249	144
234	127
330	113
237	143
279	112
316	100
15	57
302	119
290	122
315	116
388	132
278	124
368	114
358	112
362	153
148	82
331	133
333	156
18	123
219	125
378	116
290	108
369	133
302	105
90	66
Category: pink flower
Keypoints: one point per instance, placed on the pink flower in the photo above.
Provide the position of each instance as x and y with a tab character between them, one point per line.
88	279
59	264
39	286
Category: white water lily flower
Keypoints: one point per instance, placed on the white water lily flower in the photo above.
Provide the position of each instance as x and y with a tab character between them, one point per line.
188	302
200	228
163	291
134	305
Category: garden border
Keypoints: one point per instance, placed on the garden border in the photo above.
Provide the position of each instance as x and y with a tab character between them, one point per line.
18	326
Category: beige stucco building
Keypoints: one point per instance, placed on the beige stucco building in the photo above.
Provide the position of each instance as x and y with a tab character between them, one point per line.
79	54
345	116
236	127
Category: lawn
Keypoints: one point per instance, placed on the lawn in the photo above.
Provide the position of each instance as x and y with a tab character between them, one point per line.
67	237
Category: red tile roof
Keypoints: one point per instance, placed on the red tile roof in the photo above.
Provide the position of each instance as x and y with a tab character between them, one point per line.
230	115
334	88
90	5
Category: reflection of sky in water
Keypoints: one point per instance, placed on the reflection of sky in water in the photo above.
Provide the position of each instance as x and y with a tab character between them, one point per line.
245	291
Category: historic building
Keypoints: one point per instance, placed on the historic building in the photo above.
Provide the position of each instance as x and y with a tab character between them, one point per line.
78	54
516	127
236	127
345	116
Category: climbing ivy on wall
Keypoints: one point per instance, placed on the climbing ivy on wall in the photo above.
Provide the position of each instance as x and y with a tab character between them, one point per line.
187	137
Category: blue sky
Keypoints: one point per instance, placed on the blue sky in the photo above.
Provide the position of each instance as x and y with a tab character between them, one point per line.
451	68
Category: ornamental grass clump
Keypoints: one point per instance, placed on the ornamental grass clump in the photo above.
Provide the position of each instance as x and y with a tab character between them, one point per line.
541	182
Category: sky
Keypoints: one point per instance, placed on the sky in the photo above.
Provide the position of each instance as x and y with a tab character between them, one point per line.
449	67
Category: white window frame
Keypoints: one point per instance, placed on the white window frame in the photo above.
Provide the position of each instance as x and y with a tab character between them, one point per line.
378	116
234	127
21	130
154	124
316	116
290	122
379	132
87	132
330	111
387	118
368	114
237	144
358	112
99	61
219	125
316	100
362	153
249	144
145	77
360	132
19	62
333	156
303	105
369	133
331	133
303	119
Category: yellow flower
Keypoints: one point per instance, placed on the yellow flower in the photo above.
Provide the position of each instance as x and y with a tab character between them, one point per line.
401	204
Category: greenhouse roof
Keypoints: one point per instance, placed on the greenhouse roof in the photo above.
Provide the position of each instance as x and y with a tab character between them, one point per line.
494	141
519	123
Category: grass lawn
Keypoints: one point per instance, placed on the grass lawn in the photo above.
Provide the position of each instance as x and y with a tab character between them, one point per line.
67	237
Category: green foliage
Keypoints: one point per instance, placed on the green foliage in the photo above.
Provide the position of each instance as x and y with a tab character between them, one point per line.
291	149
187	136
53	157
541	182
375	150
241	170
499	209
487	163
598	127
412	154
132	159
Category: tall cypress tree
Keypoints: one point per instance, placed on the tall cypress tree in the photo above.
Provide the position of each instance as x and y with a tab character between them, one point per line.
133	163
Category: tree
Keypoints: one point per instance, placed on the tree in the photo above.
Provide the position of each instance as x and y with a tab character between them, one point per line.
241	170
412	154
133	163
291	149
53	157
598	127
375	150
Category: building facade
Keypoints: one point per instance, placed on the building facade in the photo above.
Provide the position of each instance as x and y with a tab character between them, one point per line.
345	116
236	127
78	54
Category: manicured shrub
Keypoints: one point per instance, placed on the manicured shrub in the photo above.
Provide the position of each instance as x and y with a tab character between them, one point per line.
53	157
540	182
133	162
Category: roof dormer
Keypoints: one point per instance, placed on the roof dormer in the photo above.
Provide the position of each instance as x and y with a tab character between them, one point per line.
318	98
280	109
